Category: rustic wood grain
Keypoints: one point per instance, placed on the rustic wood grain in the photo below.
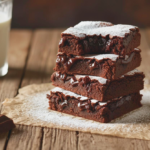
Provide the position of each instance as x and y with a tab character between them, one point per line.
56	139
3	140
41	60
51	59
98	142
38	68
17	56
42	56
18	50
25	138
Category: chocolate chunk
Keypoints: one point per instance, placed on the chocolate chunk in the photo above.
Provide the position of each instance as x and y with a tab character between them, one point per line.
85	107
100	88
6	124
108	66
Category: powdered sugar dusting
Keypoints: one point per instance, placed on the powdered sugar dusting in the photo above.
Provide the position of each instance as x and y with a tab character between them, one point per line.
41	112
99	79
103	80
68	93
131	73
113	57
94	101
32	109
65	92
90	28
92	24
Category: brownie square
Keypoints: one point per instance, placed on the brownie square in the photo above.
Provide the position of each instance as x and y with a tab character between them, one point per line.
77	105
98	37
100	88
109	66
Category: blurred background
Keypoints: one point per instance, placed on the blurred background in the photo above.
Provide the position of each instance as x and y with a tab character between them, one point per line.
64	13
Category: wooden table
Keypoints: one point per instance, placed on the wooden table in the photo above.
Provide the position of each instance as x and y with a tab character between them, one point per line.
32	57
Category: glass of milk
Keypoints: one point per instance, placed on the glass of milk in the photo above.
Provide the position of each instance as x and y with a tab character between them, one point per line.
5	21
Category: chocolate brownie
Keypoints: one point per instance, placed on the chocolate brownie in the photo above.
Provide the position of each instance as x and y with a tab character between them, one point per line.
6	124
77	105
100	88
109	66
99	37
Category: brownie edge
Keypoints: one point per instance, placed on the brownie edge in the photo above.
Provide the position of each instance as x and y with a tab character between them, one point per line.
89	37
108	66
100	88
92	109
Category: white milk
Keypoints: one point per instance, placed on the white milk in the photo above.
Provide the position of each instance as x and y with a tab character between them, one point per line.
4	37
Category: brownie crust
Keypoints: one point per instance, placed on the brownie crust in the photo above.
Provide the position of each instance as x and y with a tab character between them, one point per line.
94	111
103	92
99	44
106	68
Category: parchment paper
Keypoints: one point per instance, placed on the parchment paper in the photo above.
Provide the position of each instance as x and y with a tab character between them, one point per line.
30	107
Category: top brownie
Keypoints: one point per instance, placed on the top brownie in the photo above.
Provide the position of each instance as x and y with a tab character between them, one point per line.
97	37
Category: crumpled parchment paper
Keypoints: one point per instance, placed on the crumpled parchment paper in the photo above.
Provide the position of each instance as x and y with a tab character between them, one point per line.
30	107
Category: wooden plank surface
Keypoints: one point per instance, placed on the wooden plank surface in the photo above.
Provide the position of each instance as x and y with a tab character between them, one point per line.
56	139
25	138
18	50
32	58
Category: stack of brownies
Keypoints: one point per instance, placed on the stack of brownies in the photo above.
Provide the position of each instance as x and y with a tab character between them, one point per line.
95	71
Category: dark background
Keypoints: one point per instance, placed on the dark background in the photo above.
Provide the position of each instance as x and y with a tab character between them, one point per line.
64	13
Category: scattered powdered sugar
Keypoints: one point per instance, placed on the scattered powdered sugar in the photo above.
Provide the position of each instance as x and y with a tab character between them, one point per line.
68	93
65	92
40	111
113	57
146	97
103	80
90	28
92	24
131	73
99	79
94	101
32	109
136	49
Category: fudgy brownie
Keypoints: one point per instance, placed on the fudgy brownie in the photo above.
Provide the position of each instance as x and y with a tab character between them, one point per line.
100	88
109	66
99	37
77	105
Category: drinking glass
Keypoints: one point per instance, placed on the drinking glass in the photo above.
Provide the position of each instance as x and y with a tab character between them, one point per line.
5	22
